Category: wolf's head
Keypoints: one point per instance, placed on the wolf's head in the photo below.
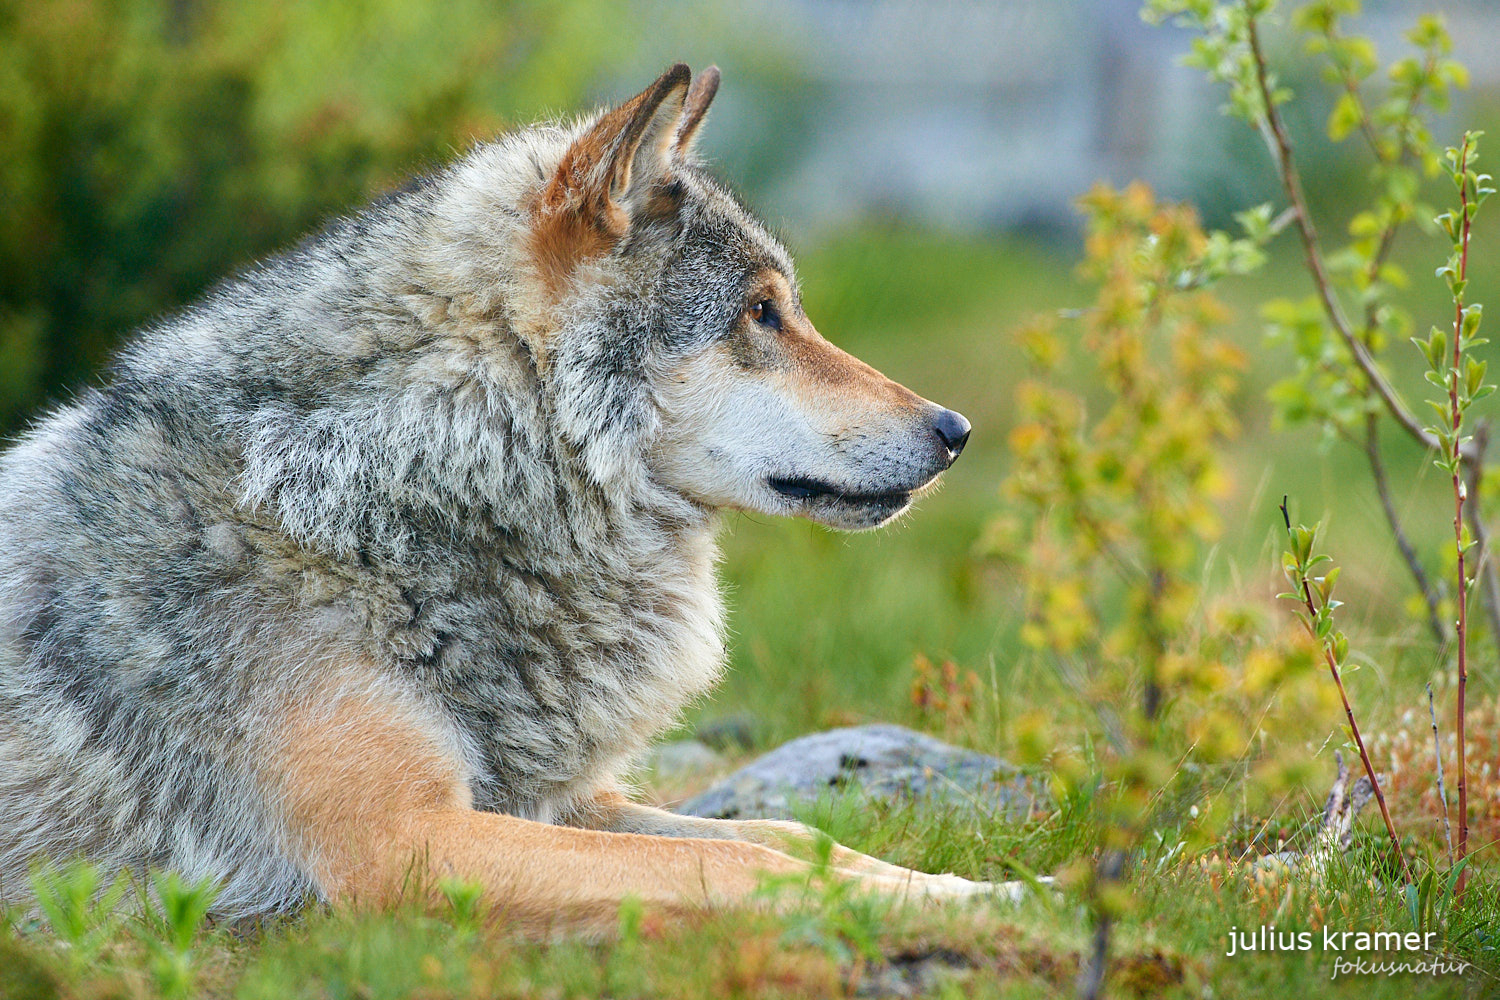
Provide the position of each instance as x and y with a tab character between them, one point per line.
672	334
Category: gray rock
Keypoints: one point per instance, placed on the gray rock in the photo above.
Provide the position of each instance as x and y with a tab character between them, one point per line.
884	761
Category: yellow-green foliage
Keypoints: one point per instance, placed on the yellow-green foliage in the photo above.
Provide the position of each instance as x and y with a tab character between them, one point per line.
1114	509
1132	490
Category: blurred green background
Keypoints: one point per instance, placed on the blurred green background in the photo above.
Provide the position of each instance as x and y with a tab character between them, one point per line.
920	159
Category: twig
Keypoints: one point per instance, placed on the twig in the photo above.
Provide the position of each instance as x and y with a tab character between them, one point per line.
1408	553
1460	488
1351	85
1437	754
1333	670
1292	183
1364	755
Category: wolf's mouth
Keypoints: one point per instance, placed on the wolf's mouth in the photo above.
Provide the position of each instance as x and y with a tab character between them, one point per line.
799	488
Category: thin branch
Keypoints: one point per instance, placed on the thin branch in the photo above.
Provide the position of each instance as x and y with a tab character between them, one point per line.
1359	742
1460	488
1292	183
1351	86
1408	553
1338	681
1437	755
1365	125
1364	756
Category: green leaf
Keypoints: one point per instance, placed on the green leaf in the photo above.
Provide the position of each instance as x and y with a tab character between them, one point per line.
1437	349
1301	544
1472	315
1474	376
1256	222
1344	118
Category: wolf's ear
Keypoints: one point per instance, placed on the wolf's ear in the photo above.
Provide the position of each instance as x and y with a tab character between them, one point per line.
699	96
610	166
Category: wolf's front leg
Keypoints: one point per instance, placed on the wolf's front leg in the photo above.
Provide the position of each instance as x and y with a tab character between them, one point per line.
612	811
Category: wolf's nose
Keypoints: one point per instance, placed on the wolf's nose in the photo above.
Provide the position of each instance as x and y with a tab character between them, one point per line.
954	430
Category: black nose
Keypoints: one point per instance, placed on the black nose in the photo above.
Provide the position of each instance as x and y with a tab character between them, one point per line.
954	430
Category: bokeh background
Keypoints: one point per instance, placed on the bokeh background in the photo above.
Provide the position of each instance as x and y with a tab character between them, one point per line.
920	156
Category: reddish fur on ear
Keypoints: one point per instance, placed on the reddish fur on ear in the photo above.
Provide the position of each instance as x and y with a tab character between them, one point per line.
584	208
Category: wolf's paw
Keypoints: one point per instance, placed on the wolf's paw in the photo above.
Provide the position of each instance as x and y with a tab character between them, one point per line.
1014	892
949	885
957	887
948	888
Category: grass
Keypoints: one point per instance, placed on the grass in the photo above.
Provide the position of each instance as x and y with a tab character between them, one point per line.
826	631
825	942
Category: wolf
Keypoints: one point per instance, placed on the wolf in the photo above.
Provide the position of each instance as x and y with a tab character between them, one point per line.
388	558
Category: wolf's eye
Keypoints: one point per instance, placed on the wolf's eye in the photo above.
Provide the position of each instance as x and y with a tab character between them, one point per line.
764	313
